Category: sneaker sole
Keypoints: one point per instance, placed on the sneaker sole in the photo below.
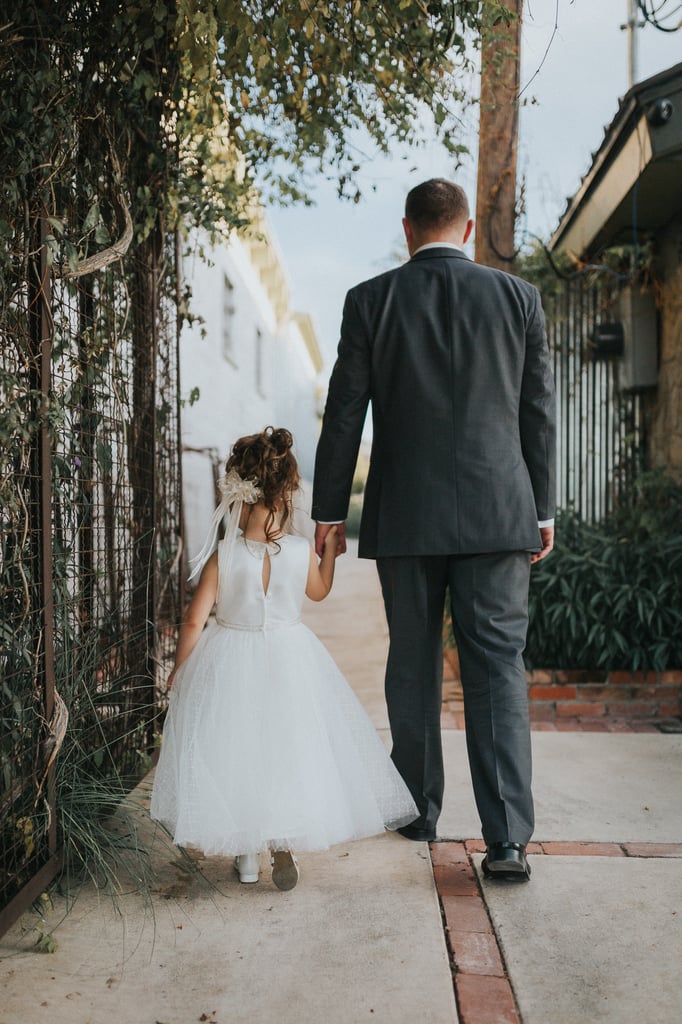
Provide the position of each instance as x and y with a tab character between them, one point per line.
246	879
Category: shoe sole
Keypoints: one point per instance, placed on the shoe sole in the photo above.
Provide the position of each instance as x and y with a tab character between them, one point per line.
506	872
424	837
285	873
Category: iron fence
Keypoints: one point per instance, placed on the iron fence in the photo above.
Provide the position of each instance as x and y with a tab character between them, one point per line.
601	437
91	546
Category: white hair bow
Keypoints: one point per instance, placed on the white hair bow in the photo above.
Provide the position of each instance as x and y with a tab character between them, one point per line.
235	492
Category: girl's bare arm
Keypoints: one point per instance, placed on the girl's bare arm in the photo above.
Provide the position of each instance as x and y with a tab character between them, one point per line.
197	613
321	577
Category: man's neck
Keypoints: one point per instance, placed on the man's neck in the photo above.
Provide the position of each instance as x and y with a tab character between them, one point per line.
440	243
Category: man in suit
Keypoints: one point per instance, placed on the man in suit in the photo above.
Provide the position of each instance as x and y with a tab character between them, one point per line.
460	493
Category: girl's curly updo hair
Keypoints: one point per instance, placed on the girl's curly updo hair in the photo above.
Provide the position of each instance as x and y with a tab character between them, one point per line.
268	461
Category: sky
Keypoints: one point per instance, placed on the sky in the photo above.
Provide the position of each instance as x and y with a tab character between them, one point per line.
572	97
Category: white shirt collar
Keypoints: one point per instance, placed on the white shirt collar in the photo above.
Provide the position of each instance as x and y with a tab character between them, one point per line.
438	245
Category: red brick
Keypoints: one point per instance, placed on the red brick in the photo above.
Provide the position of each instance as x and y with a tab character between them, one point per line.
601	691
670	709
627	677
451	659
466	914
447	720
476	953
485	1000
542	711
444	854
452	689
583	849
653	849
658	691
671	676
542	726
596	675
633	708
478	846
567	725
571	675
593	725
618	725
644	727
540	675
580	709
552	693
455	880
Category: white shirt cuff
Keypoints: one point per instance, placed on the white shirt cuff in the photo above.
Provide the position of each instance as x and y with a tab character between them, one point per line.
546	522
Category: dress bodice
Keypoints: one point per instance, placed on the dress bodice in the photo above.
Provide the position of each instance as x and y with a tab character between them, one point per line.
242	602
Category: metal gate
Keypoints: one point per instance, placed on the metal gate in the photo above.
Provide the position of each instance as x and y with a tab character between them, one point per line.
90	548
601	437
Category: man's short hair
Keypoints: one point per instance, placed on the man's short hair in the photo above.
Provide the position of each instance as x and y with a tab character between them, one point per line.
436	203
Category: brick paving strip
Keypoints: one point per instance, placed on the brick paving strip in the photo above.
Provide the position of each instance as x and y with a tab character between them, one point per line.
482	988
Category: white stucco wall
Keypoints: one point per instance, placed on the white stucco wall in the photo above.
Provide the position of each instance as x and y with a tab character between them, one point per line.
251	367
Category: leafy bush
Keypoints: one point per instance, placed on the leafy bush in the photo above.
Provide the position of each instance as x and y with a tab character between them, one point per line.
610	595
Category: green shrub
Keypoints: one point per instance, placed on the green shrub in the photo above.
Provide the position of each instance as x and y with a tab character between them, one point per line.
610	595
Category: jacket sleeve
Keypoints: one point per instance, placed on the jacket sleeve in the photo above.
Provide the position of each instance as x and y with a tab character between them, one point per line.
344	419
537	413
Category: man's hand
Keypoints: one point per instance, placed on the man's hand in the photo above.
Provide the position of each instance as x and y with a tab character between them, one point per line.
321	531
547	538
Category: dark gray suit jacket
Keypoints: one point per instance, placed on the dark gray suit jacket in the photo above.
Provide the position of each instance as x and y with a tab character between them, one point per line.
453	357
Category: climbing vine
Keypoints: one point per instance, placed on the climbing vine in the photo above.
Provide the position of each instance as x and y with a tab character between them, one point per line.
124	123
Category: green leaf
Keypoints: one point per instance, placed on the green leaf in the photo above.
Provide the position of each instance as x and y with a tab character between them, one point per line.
91	219
71	253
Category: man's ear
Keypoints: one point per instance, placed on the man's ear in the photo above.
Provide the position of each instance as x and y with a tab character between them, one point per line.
467	231
407	228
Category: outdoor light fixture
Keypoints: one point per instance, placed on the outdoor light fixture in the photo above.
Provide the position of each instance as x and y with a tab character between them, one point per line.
607	340
660	112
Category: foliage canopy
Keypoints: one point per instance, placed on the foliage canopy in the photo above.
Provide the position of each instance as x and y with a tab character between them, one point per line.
189	99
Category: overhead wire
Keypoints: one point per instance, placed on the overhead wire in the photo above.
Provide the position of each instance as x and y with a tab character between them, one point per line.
656	16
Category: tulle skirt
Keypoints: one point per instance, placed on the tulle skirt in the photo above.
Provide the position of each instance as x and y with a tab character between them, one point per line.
266	746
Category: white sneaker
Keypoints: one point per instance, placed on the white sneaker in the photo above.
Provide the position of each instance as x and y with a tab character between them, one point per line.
248	867
285	872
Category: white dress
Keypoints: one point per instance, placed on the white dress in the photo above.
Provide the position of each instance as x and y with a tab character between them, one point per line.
265	745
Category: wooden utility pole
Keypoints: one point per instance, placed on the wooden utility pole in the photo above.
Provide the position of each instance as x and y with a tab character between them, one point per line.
498	141
631	25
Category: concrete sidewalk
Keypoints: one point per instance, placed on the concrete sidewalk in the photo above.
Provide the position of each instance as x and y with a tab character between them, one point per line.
596	936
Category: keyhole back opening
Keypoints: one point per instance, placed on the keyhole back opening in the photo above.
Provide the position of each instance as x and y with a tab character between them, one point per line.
266	571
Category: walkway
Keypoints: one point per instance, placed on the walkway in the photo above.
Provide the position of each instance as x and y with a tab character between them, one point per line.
368	935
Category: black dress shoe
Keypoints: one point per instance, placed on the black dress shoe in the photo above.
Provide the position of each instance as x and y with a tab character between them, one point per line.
420	835
506	861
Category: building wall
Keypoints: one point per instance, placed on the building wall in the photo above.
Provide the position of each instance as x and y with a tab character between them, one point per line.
666	422
251	363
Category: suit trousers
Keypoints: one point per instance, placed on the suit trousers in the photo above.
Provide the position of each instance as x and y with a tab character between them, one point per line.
489	599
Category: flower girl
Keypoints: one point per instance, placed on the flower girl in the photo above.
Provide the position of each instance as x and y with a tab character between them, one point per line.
265	746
